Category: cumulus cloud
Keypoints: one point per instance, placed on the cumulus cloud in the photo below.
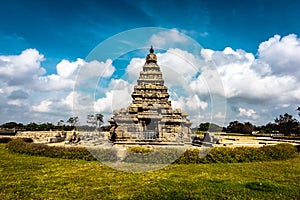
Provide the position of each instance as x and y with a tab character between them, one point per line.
282	54
25	84
244	76
269	78
43	106
118	95
165	38
257	86
134	68
21	69
248	113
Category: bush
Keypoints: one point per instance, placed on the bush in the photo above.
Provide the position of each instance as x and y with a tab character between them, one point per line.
298	148
8	139
189	156
279	152
104	155
251	154
239	154
139	150
232	155
157	156
5	140
20	146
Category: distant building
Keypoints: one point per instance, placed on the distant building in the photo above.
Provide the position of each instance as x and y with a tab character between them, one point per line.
150	117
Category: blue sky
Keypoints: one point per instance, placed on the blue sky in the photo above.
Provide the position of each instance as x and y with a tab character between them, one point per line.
67	31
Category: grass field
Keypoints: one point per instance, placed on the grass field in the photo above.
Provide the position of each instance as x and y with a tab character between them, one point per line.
32	177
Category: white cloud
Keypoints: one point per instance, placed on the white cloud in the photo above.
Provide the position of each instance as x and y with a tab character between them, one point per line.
96	69
165	38
21	69
43	106
258	87
67	69
118	95
282	54
244	76
248	113
134	68
26	86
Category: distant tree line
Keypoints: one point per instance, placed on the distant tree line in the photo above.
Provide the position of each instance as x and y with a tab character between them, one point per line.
96	120
284	124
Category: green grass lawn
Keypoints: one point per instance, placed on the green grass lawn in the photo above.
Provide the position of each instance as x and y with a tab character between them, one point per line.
33	177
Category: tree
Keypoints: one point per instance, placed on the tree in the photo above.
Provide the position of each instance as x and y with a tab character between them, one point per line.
234	127
60	122
99	118
11	125
209	127
73	121
268	128
298	109
32	126
248	128
238	127
204	126
95	120
287	125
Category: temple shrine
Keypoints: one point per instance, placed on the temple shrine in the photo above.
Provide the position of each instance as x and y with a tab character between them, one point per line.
150	117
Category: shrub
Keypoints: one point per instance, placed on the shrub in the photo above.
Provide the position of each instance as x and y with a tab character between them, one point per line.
189	156
157	156
8	139
298	148
232	155
250	154
279	152
239	154
20	146
139	150
104	155
5	140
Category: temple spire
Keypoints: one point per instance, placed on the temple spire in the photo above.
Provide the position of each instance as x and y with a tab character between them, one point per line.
151	57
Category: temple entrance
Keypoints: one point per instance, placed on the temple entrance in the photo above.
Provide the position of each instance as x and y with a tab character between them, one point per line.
150	129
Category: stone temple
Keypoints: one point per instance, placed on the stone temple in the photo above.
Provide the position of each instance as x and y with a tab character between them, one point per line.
150	117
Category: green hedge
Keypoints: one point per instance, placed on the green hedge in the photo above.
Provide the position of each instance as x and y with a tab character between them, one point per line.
5	140
240	154
157	156
104	155
20	146
161	155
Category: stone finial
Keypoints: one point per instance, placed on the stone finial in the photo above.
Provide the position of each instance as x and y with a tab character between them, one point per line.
151	49
151	57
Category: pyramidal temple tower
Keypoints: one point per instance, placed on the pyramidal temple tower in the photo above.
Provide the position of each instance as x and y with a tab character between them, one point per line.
150	117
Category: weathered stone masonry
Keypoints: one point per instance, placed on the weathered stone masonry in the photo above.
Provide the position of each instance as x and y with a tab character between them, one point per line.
150	116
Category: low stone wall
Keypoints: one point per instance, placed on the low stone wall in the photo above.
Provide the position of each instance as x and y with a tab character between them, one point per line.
44	136
91	138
